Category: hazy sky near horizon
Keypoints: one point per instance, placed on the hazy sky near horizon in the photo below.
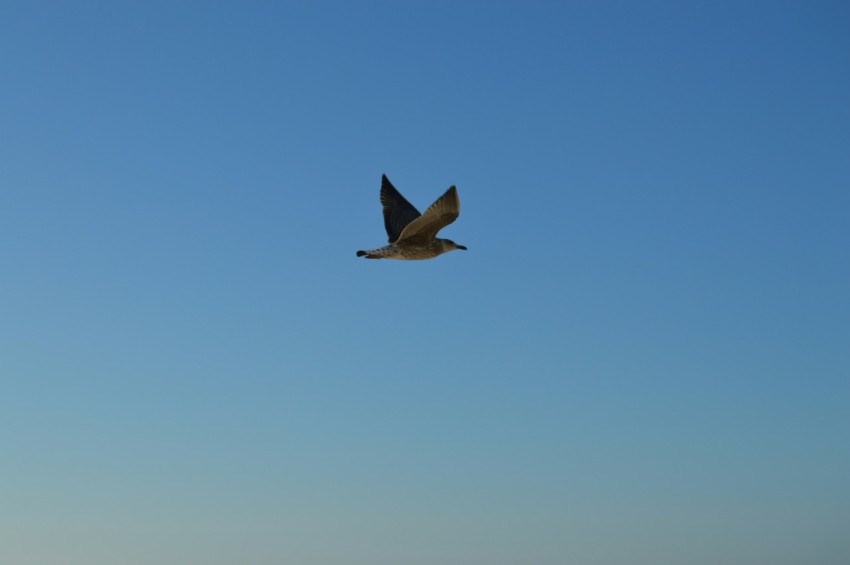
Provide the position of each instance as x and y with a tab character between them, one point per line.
643	357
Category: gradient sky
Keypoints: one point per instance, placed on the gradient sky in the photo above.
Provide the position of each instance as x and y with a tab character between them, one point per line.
643	358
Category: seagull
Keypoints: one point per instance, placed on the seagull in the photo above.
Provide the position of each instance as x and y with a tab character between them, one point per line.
413	235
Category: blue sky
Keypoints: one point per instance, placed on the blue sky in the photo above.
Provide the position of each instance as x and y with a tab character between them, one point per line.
642	358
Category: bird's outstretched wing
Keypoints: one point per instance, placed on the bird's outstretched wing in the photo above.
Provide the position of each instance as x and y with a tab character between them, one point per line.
441	213
398	212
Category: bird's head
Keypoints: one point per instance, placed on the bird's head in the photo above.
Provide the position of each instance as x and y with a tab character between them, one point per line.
449	245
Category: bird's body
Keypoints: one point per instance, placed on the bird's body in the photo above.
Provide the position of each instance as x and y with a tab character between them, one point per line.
410	251
412	235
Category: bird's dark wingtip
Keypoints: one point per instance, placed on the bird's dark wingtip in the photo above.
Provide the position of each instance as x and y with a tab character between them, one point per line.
361	253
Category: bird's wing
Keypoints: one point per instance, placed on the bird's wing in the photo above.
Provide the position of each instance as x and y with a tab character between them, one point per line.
441	213
398	212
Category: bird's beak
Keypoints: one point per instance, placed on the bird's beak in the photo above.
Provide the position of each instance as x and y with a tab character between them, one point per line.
461	247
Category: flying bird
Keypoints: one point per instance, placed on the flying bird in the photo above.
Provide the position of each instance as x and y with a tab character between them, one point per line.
413	235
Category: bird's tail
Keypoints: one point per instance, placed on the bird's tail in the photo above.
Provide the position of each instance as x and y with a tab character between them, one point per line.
370	254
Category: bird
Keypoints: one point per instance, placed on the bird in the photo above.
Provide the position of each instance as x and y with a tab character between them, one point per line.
413	236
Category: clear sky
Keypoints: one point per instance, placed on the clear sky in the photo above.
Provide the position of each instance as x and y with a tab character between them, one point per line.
643	358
